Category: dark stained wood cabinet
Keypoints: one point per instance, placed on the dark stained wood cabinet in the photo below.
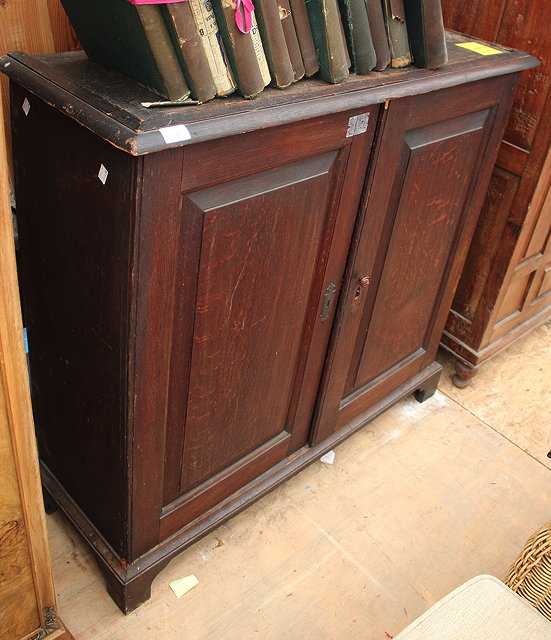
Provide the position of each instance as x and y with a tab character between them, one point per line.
207	316
505	287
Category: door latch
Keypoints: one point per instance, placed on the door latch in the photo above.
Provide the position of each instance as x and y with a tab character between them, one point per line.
327	301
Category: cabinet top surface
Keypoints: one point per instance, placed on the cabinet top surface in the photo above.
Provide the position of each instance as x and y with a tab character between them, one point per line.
111	105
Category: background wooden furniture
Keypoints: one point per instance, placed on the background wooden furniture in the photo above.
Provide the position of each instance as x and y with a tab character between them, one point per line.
505	288
27	597
181	298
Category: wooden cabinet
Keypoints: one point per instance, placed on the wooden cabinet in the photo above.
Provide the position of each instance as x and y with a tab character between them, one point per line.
505	288
198	327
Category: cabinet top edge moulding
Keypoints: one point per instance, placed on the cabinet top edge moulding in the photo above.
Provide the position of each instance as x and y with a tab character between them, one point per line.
113	108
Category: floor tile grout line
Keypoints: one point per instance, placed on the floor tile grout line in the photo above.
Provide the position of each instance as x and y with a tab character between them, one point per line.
494	429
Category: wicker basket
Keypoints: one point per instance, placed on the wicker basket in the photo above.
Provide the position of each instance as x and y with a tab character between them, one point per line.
530	576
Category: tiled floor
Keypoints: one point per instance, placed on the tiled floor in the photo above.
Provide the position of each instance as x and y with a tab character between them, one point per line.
417	502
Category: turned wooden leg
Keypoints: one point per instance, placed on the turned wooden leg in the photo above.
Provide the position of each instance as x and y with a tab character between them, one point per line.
428	388
463	374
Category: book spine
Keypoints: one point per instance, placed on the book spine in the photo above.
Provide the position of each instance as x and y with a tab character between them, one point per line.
211	41
304	35
426	33
356	27
327	32
378	33
244	50
273	40
395	19
187	43
343	36
259	52
163	51
291	38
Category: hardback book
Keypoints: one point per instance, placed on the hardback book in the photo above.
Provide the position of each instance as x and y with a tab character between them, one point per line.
304	35
205	26
245	50
358	35
343	36
327	32
181	25
273	40
378	33
291	38
397	33
131	39
427	38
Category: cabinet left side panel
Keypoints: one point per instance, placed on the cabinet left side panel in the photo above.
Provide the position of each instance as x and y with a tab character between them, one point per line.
75	216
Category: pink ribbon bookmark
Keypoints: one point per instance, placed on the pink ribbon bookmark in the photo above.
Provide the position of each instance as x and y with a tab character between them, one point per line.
244	15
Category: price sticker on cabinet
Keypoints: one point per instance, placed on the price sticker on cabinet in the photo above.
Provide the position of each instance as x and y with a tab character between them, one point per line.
357	124
102	174
176	133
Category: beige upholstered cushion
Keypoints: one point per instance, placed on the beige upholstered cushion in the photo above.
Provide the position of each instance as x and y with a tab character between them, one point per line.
481	609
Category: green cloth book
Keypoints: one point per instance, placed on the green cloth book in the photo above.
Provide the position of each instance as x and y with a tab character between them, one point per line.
131	39
327	32
427	38
358	35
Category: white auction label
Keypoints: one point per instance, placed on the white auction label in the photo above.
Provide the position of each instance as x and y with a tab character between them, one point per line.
103	173
176	133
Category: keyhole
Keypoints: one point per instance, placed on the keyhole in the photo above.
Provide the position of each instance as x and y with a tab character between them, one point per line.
357	294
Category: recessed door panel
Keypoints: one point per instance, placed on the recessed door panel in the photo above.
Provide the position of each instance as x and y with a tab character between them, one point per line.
432	198
260	242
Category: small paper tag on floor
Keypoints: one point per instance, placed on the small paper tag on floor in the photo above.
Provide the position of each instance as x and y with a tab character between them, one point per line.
328	458
183	585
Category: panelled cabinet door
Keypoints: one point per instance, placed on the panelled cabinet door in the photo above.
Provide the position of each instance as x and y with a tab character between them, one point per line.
419	216
261	241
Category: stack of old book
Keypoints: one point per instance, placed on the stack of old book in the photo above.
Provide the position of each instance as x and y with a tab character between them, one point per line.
195	50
